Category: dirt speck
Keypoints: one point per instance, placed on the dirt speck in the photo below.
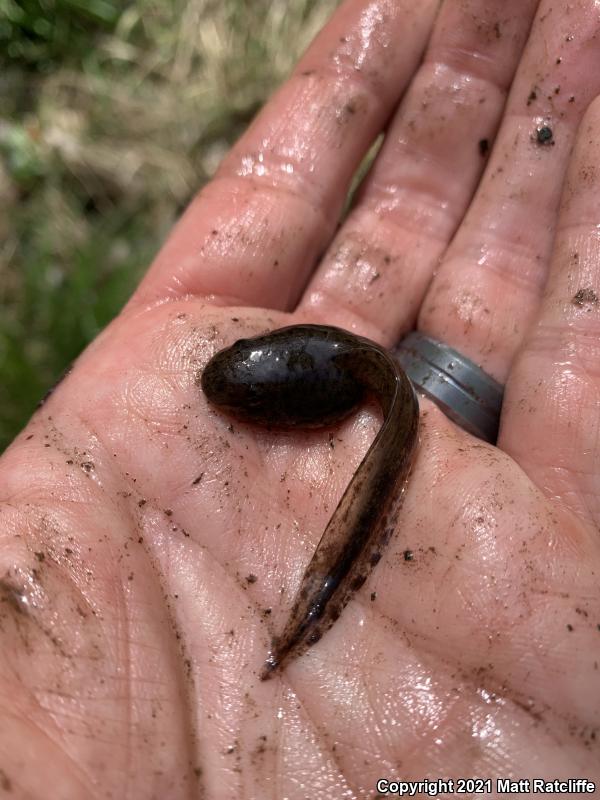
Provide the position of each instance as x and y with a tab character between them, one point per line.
585	297
544	135
5	782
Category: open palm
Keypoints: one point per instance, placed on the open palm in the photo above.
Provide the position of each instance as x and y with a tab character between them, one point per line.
150	546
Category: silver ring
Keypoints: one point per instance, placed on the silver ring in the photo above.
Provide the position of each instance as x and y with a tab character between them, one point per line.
465	393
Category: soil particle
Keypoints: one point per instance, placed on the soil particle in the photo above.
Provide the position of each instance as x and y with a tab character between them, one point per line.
5	782
544	136
585	297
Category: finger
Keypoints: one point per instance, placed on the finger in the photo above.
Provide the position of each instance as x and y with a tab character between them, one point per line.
379	265
551	422
488	287
254	233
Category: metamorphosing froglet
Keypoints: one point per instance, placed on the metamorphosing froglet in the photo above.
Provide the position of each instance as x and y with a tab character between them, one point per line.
311	376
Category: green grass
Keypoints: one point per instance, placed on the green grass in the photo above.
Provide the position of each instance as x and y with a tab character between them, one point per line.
112	115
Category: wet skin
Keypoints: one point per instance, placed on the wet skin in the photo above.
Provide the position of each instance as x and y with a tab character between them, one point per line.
309	376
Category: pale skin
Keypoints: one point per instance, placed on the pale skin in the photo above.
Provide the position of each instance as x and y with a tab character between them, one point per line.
149	547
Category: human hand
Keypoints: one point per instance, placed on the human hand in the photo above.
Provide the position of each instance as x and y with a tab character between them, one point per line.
150	547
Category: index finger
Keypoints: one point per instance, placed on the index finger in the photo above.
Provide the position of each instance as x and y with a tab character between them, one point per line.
255	231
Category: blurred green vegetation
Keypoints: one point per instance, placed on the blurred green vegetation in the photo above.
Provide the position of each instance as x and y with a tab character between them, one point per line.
112	114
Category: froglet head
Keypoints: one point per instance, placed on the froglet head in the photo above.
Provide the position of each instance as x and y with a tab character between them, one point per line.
296	376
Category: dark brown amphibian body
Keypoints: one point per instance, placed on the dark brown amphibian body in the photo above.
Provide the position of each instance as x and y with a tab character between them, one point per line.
311	376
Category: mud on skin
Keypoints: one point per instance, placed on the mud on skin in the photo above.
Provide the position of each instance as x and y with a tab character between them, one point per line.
310	376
